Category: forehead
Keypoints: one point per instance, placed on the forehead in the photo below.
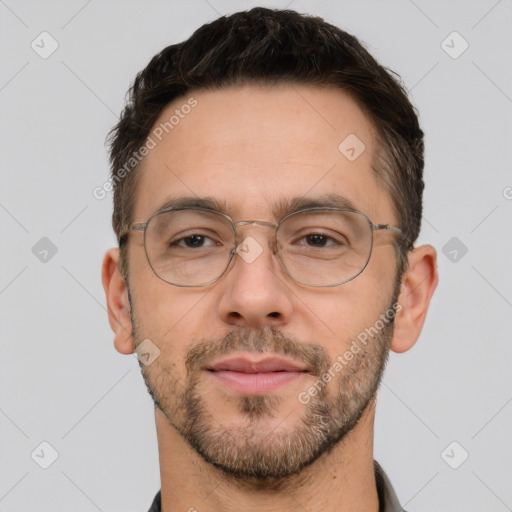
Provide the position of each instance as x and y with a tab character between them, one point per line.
254	148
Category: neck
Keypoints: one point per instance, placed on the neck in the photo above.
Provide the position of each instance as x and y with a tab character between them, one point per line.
340	480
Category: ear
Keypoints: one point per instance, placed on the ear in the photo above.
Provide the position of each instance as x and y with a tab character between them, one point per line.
118	305
418	284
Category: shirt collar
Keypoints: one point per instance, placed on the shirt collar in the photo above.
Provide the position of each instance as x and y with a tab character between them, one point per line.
388	502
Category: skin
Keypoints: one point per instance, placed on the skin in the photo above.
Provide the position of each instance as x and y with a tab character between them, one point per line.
252	146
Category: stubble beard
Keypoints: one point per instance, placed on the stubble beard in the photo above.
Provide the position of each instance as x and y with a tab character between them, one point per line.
255	453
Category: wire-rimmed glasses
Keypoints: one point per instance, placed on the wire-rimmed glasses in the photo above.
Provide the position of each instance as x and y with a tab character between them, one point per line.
318	246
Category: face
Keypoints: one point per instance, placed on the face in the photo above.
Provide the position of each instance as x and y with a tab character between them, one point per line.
254	370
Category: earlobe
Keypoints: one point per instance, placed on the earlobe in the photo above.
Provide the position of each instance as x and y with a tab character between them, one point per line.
118	305
418	285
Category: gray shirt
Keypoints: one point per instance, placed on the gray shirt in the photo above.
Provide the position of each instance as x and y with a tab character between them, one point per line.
388	502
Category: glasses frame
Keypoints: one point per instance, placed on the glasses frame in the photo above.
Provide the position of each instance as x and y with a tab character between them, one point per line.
141	226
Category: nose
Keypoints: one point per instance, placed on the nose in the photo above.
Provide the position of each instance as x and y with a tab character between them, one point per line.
255	290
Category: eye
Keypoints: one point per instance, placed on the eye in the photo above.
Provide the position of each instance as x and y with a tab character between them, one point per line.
194	242
319	240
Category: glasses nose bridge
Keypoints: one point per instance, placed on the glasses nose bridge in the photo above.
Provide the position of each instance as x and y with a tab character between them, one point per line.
261	223
254	223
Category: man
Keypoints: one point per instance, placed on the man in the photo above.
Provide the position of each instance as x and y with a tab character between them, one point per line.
268	187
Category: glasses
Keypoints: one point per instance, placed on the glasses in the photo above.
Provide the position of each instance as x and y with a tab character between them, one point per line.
319	246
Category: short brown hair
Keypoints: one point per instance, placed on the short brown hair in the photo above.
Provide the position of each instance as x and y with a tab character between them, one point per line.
270	46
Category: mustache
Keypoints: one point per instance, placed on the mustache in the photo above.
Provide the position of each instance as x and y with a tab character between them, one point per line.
264	340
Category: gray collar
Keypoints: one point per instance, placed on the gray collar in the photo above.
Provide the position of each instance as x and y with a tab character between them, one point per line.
387	497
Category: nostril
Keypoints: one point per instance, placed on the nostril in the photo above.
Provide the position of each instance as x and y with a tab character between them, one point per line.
275	314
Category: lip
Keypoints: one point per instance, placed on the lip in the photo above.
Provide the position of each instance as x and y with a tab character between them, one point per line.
253	365
251	376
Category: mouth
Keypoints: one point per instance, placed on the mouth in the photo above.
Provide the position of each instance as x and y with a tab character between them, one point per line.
250	376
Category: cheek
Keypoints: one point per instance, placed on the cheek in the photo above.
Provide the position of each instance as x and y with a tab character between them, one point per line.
160	307
168	314
341	314
346	315
173	318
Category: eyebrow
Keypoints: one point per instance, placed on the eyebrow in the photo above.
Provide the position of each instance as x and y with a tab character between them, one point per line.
284	206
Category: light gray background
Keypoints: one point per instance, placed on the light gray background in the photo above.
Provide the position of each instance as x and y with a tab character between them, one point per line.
61	381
